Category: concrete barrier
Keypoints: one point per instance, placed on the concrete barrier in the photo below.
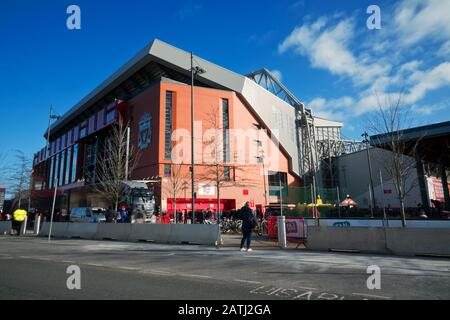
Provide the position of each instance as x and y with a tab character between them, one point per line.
82	230
150	232
208	234
419	241
113	231
59	230
434	224
5	227
162	233
362	239
398	241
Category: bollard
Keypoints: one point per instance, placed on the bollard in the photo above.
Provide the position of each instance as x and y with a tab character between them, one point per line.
23	228
282	232
37	224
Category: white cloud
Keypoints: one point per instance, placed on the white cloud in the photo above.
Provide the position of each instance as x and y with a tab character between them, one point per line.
433	79
333	109
277	74
326	46
444	50
416	20
382	64
430	109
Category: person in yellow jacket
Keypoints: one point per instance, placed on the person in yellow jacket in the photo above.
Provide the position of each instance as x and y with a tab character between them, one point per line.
19	217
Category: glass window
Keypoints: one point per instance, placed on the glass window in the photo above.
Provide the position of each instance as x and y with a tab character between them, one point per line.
83	132
168	132
74	163
274	184
50	173
227	173
61	169
111	116
67	174
226	127
56	172
167	170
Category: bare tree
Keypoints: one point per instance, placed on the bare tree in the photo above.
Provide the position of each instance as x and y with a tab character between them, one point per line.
175	183
388	123
219	171
20	176
115	164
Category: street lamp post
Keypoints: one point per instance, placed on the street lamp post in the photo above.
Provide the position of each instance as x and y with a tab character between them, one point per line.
51	116
365	135
281	219
194	71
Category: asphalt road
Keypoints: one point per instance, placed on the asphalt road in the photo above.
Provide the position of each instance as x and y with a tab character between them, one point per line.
31	268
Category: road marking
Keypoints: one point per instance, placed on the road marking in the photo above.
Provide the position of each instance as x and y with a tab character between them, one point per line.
44	259
307	288
159	273
371	296
128	268
197	276
25	257
96	265
296	294
248	281
68	261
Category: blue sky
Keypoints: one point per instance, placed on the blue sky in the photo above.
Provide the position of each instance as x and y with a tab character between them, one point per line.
322	50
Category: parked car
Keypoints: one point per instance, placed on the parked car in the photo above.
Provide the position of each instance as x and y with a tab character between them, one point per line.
86	215
101	214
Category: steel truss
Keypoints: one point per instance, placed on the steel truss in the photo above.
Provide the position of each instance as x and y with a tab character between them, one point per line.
305	131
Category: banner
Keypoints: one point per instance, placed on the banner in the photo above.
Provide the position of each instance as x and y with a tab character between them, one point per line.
295	228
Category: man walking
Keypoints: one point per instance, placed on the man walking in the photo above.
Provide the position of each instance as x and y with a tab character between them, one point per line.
247	218
19	217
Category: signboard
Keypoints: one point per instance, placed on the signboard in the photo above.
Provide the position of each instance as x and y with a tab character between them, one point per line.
145	131
2	198
206	189
378	223
438	190
295	228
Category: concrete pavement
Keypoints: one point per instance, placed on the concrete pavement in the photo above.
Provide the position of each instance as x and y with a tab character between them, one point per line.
115	270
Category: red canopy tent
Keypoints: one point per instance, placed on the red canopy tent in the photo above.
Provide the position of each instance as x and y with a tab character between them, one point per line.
349	202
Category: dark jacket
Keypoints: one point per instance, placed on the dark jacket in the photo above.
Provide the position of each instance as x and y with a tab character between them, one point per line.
246	216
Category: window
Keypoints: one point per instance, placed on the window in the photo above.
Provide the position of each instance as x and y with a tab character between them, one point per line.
226	127
275	179
110	116
227	173
74	163
61	168
57	169
51	172
83	130
168	132
67	174
167	170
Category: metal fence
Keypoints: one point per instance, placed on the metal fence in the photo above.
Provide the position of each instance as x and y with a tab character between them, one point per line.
298	202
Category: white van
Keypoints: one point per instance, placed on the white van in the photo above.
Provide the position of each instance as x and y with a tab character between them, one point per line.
85	215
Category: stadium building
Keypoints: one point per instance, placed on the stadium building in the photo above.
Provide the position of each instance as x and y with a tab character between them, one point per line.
267	140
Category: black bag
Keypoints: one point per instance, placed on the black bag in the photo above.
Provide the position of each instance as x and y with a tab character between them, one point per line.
253	222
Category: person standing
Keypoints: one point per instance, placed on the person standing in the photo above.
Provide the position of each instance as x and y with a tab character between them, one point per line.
123	214
247	218
18	218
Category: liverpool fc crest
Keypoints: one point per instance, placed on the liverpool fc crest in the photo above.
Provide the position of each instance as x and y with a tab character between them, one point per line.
145	131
